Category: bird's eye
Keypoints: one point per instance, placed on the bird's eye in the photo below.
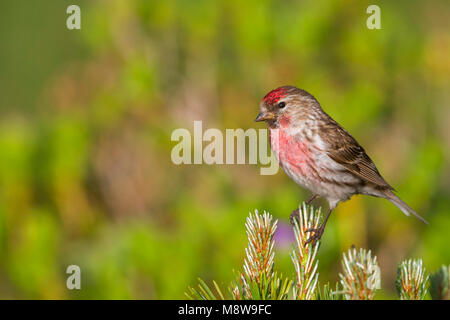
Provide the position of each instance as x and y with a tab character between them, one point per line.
282	105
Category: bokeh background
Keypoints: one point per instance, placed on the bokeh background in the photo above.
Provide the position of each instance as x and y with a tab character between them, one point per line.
86	118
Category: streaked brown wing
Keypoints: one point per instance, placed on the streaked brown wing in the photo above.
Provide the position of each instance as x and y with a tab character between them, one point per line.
345	150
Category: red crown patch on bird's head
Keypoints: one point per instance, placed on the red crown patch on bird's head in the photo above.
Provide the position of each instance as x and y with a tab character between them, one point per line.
273	96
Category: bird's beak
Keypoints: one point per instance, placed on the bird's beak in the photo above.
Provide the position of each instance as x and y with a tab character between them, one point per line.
263	116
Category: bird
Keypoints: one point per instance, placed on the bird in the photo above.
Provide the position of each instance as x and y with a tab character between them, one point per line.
319	154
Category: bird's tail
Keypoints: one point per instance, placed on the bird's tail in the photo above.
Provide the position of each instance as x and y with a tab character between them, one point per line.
402	205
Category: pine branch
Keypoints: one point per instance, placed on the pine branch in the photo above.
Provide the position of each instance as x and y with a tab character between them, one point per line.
304	255
411	280
259	280
361	277
259	252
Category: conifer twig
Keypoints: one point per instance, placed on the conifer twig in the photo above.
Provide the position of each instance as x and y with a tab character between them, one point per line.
259	252
411	280
361	277
304	254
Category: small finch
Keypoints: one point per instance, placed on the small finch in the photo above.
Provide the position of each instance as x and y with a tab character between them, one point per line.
320	155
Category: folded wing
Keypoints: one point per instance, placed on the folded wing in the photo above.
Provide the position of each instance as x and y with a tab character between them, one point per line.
345	150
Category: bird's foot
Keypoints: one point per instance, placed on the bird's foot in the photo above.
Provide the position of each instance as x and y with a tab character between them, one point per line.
317	234
294	216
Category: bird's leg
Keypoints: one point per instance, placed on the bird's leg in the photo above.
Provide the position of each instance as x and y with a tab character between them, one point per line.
311	198
318	231
294	215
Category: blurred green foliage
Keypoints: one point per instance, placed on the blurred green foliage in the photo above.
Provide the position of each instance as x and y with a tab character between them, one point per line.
86	119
